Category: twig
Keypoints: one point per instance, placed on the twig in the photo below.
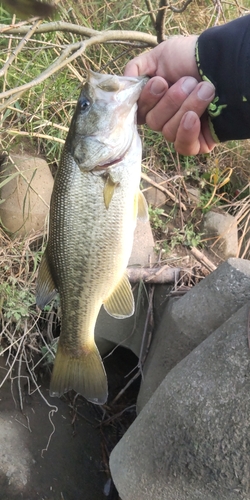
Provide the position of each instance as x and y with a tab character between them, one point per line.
160	21
49	28
53	410
62	26
150	11
159	275
126	386
203	259
181	9
147	335
164	190
117	415
20	133
19	48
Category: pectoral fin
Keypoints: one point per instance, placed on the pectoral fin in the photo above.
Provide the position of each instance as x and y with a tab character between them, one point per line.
45	289
109	189
120	304
142	207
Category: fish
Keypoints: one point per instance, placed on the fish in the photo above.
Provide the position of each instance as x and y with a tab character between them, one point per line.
28	8
94	206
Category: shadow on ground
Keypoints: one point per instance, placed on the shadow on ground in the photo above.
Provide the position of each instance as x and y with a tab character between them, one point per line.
71	463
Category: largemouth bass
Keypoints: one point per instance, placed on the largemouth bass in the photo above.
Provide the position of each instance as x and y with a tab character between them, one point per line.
27	8
94	206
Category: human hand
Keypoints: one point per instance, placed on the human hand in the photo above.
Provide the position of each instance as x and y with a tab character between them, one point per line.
172	102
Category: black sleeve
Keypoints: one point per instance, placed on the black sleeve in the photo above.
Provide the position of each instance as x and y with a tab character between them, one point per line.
223	58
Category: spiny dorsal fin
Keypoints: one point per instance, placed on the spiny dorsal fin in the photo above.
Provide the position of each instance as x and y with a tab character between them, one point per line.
45	288
120	304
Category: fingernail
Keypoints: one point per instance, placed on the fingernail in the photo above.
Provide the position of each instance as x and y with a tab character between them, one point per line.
189	120
206	91
157	87
188	85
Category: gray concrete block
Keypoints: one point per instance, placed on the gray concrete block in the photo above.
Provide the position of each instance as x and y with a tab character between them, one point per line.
187	321
192	439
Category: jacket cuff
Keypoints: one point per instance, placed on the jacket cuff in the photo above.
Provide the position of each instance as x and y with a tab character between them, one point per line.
223	58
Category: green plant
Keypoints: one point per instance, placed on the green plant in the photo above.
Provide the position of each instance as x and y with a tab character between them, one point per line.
192	238
15	301
155	218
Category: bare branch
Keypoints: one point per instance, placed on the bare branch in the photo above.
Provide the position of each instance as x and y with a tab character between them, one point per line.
74	50
203	259
160	21
161	188
181	9
159	275
49	28
19	47
150	11
161	17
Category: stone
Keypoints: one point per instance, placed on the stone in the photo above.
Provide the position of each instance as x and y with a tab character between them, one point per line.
194	195
26	195
143	253
15	459
127	332
187	321
191	440
222	231
154	196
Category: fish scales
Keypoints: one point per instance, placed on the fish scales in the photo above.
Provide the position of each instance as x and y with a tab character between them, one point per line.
92	220
94	263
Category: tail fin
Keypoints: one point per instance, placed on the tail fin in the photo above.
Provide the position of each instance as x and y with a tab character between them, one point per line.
84	373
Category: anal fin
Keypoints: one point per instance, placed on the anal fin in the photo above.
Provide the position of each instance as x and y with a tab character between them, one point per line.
45	289
120	304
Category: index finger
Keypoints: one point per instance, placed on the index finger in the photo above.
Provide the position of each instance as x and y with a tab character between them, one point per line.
144	64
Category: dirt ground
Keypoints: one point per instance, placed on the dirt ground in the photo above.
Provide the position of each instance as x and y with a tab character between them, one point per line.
75	465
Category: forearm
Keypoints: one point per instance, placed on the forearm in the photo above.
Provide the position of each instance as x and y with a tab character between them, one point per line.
223	58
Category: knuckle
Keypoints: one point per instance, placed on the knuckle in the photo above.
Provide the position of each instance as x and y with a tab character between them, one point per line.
154	121
169	132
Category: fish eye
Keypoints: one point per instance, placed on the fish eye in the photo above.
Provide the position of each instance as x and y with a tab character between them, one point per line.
84	104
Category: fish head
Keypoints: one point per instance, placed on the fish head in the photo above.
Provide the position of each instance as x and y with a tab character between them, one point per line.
104	122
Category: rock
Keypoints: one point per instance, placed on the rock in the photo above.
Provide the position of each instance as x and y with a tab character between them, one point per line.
154	196
26	195
186	322
15	459
126	332
194	195
143	248
191	440
221	226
